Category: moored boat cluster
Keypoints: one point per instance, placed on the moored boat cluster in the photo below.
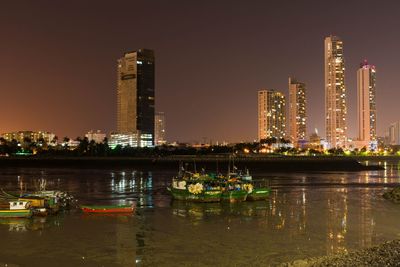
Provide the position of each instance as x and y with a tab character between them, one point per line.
38	203
44	203
209	187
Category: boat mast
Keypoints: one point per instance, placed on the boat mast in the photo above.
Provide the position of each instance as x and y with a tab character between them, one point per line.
229	167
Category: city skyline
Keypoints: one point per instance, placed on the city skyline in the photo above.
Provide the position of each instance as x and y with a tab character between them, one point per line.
77	94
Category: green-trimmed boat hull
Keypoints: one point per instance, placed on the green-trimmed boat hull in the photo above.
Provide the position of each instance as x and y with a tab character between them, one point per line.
101	207
15	213
205	196
259	194
234	196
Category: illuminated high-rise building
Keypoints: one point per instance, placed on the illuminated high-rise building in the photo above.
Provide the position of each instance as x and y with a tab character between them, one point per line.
366	104
297	111
271	114
159	130
335	93
135	94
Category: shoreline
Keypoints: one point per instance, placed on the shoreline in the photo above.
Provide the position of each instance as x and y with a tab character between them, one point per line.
214	162
385	254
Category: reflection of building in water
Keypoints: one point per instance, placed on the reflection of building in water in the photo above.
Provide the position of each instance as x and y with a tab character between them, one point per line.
125	241
144	190
134	185
366	219
288	211
340	235
345	216
198	212
337	220
294	214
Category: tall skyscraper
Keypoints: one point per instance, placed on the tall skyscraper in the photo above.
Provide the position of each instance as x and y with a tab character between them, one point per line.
335	93
271	114
297	111
135	94
366	105
159	131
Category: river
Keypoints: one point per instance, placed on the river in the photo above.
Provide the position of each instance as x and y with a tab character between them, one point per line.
307	215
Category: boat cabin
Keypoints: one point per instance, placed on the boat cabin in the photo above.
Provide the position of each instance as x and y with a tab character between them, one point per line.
179	184
19	205
36	202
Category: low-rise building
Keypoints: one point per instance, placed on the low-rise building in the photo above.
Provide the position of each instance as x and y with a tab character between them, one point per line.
137	139
96	136
31	136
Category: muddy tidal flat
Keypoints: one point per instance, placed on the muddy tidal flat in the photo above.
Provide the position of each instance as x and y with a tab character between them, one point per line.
309	214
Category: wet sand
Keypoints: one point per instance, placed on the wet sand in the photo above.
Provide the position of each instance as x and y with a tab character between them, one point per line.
386	254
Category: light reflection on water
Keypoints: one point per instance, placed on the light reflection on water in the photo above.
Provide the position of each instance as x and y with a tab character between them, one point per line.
307	214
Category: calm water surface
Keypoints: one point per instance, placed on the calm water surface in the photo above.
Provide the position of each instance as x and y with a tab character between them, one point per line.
308	214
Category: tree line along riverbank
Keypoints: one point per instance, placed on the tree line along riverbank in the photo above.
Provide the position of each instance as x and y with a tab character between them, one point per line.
209	163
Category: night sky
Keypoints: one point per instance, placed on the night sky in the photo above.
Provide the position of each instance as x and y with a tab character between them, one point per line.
58	61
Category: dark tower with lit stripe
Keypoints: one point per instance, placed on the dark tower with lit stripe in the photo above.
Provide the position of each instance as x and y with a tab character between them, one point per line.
135	94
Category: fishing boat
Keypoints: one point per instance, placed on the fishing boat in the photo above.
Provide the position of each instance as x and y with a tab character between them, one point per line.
108	208
15	209
195	191
259	194
44	202
254	193
38	204
234	191
245	176
258	190
195	187
234	196
53	200
202	187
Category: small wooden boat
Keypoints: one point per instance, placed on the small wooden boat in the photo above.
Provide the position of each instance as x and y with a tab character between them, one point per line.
108	208
16	209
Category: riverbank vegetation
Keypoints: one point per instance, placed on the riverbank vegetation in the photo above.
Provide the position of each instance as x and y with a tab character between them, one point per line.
82	147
